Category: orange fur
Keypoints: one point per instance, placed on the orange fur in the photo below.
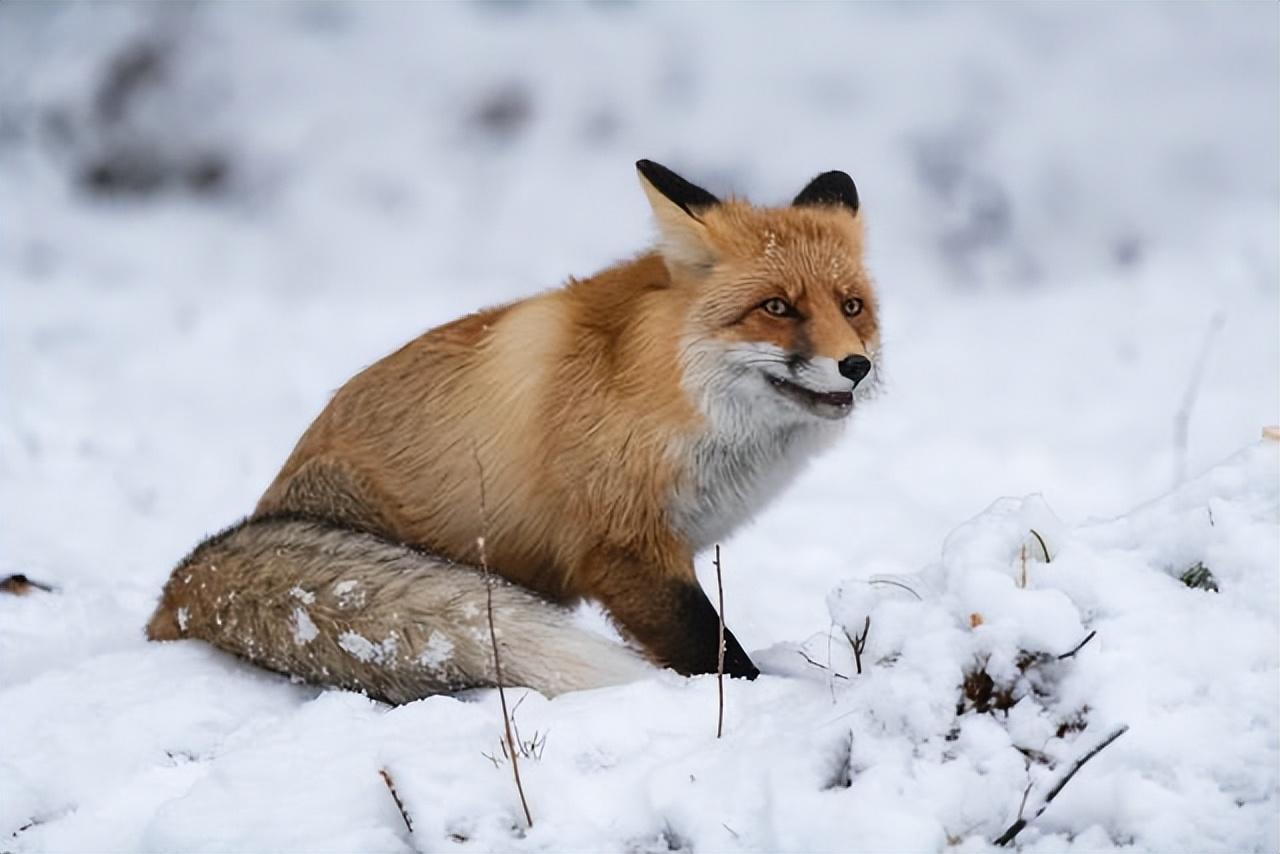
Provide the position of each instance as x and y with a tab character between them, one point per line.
583	406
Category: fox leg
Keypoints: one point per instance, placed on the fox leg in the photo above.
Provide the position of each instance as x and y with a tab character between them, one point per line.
671	618
330	489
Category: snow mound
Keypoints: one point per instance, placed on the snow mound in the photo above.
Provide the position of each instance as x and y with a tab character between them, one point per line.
983	679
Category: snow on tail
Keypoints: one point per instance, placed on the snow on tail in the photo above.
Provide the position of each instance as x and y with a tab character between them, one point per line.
340	607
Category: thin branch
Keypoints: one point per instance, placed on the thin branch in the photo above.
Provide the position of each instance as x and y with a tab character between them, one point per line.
820	666
493	637
859	642
1080	763
395	796
1018	826
720	648
1078	646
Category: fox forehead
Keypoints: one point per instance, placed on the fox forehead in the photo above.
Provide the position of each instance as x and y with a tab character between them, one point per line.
811	235
810	257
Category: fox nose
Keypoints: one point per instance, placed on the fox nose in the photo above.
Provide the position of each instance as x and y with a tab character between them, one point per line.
855	368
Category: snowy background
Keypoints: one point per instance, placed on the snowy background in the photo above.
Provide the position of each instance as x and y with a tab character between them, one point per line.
212	215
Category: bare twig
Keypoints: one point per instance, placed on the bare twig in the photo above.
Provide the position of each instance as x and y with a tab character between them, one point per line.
859	642
1019	825
836	674
493	637
720	648
1022	580
395	796
529	748
1182	418
1078	646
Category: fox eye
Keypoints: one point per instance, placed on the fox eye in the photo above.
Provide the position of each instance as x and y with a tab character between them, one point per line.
852	306
778	307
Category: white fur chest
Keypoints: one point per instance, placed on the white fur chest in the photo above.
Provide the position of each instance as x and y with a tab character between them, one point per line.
735	469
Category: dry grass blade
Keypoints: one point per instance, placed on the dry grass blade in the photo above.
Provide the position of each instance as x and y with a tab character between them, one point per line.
395	796
894	583
493	637
720	650
1044	548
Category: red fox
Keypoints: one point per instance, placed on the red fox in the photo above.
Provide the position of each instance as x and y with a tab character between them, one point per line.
596	436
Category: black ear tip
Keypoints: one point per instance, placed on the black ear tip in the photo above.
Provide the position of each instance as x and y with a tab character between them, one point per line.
688	196
836	177
830	188
651	170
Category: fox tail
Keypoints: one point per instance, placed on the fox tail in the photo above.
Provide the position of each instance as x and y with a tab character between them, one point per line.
335	606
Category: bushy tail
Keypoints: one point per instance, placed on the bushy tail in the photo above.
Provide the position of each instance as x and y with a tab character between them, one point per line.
339	607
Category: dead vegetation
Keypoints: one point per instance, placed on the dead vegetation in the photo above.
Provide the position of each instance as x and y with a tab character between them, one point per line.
19	585
509	748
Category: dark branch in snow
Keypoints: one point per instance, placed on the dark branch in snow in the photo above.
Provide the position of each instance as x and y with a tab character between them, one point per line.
819	665
1077	647
1018	826
395	796
20	585
859	642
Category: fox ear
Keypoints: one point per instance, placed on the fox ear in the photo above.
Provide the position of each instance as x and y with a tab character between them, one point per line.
677	206
829	188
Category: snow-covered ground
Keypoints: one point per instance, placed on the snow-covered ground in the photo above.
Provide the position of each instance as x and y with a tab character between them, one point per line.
1073	214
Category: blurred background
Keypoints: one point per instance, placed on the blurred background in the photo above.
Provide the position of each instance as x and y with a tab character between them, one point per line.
211	215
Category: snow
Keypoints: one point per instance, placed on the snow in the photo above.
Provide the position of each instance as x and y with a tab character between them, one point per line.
1063	204
436	652
304	629
363	649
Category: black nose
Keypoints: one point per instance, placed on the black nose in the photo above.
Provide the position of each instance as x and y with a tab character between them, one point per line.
855	368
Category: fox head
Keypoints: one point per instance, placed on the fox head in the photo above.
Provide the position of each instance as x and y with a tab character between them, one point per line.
784	319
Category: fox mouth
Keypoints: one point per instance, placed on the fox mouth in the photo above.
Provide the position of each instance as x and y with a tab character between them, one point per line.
827	404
